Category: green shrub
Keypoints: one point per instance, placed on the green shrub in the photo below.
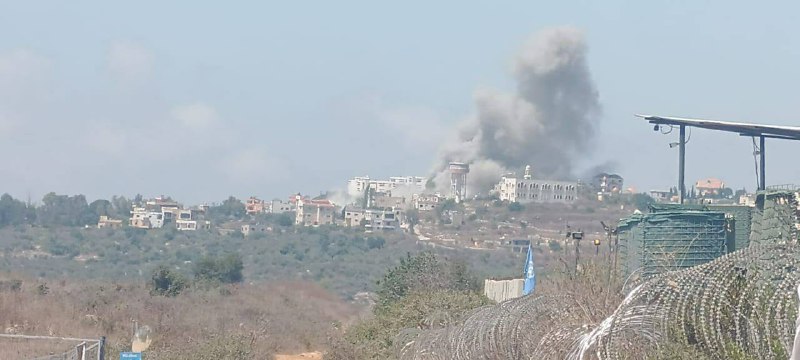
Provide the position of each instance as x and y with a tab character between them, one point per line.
515	207
226	269
166	282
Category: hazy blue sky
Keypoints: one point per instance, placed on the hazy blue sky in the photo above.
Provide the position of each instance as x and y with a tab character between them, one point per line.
201	101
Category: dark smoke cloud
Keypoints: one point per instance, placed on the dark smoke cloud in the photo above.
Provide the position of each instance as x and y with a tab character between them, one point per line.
547	123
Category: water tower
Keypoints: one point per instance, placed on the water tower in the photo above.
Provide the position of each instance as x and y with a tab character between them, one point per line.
458	180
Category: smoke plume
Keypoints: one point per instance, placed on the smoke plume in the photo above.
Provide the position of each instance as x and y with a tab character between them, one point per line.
547	123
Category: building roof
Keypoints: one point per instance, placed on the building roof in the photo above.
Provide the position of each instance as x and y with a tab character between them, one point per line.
710	183
319	203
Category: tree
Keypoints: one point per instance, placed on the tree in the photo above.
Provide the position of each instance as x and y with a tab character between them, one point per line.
515	207
226	269
63	210
101	208
230	209
420	273
642	201
121	207
422	292
726	193
412	217
166	282
285	220
14	212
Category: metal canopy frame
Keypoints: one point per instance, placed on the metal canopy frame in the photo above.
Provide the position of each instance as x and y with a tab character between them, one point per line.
762	132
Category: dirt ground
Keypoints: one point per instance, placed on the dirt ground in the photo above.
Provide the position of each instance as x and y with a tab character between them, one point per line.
316	355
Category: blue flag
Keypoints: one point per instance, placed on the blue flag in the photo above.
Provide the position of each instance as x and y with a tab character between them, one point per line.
530	275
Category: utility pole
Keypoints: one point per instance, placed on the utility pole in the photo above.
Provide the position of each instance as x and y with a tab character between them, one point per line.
682	164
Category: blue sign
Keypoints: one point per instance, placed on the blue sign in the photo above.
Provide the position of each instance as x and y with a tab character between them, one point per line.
130	356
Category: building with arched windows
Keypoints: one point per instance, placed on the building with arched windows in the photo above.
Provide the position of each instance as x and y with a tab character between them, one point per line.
529	190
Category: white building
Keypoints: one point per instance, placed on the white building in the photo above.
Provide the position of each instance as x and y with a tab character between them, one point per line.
530	190
144	219
381	220
426	202
662	196
280	207
359	184
373	219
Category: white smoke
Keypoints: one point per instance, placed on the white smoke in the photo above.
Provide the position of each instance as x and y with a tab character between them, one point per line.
549	121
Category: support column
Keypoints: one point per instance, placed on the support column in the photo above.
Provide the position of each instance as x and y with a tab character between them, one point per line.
762	163
682	164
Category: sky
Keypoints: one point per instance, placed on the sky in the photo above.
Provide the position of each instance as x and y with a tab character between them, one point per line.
200	100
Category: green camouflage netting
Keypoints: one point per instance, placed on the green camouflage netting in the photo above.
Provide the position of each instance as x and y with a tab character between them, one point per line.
774	218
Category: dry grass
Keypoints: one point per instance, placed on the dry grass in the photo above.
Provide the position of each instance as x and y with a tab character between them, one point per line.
248	321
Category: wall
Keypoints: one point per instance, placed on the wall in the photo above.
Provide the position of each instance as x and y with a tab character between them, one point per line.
502	290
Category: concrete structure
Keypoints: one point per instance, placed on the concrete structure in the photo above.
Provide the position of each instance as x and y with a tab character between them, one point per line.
709	187
530	190
382	220
314	212
254	206
458	180
353	216
253	228
373	219
280	207
143	219
186	225
359	184
163	211
748	200
502	290
106	223
426	202
384	200
662	196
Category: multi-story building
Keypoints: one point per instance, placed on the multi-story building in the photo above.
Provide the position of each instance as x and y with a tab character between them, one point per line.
426	202
280	207
384	200
106	222
381	220
359	184
530	190
314	212
373	219
254	206
709	187
353	216
162	211
146	219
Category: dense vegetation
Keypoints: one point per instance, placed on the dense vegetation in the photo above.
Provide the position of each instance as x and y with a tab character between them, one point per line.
342	260
422	292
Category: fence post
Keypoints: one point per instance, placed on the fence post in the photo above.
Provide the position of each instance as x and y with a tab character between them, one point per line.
80	351
101	349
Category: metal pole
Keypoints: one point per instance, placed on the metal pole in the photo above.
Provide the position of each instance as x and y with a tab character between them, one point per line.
762	164
101	349
682	164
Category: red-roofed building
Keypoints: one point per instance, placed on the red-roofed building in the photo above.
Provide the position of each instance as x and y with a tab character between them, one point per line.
709	187
314	212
